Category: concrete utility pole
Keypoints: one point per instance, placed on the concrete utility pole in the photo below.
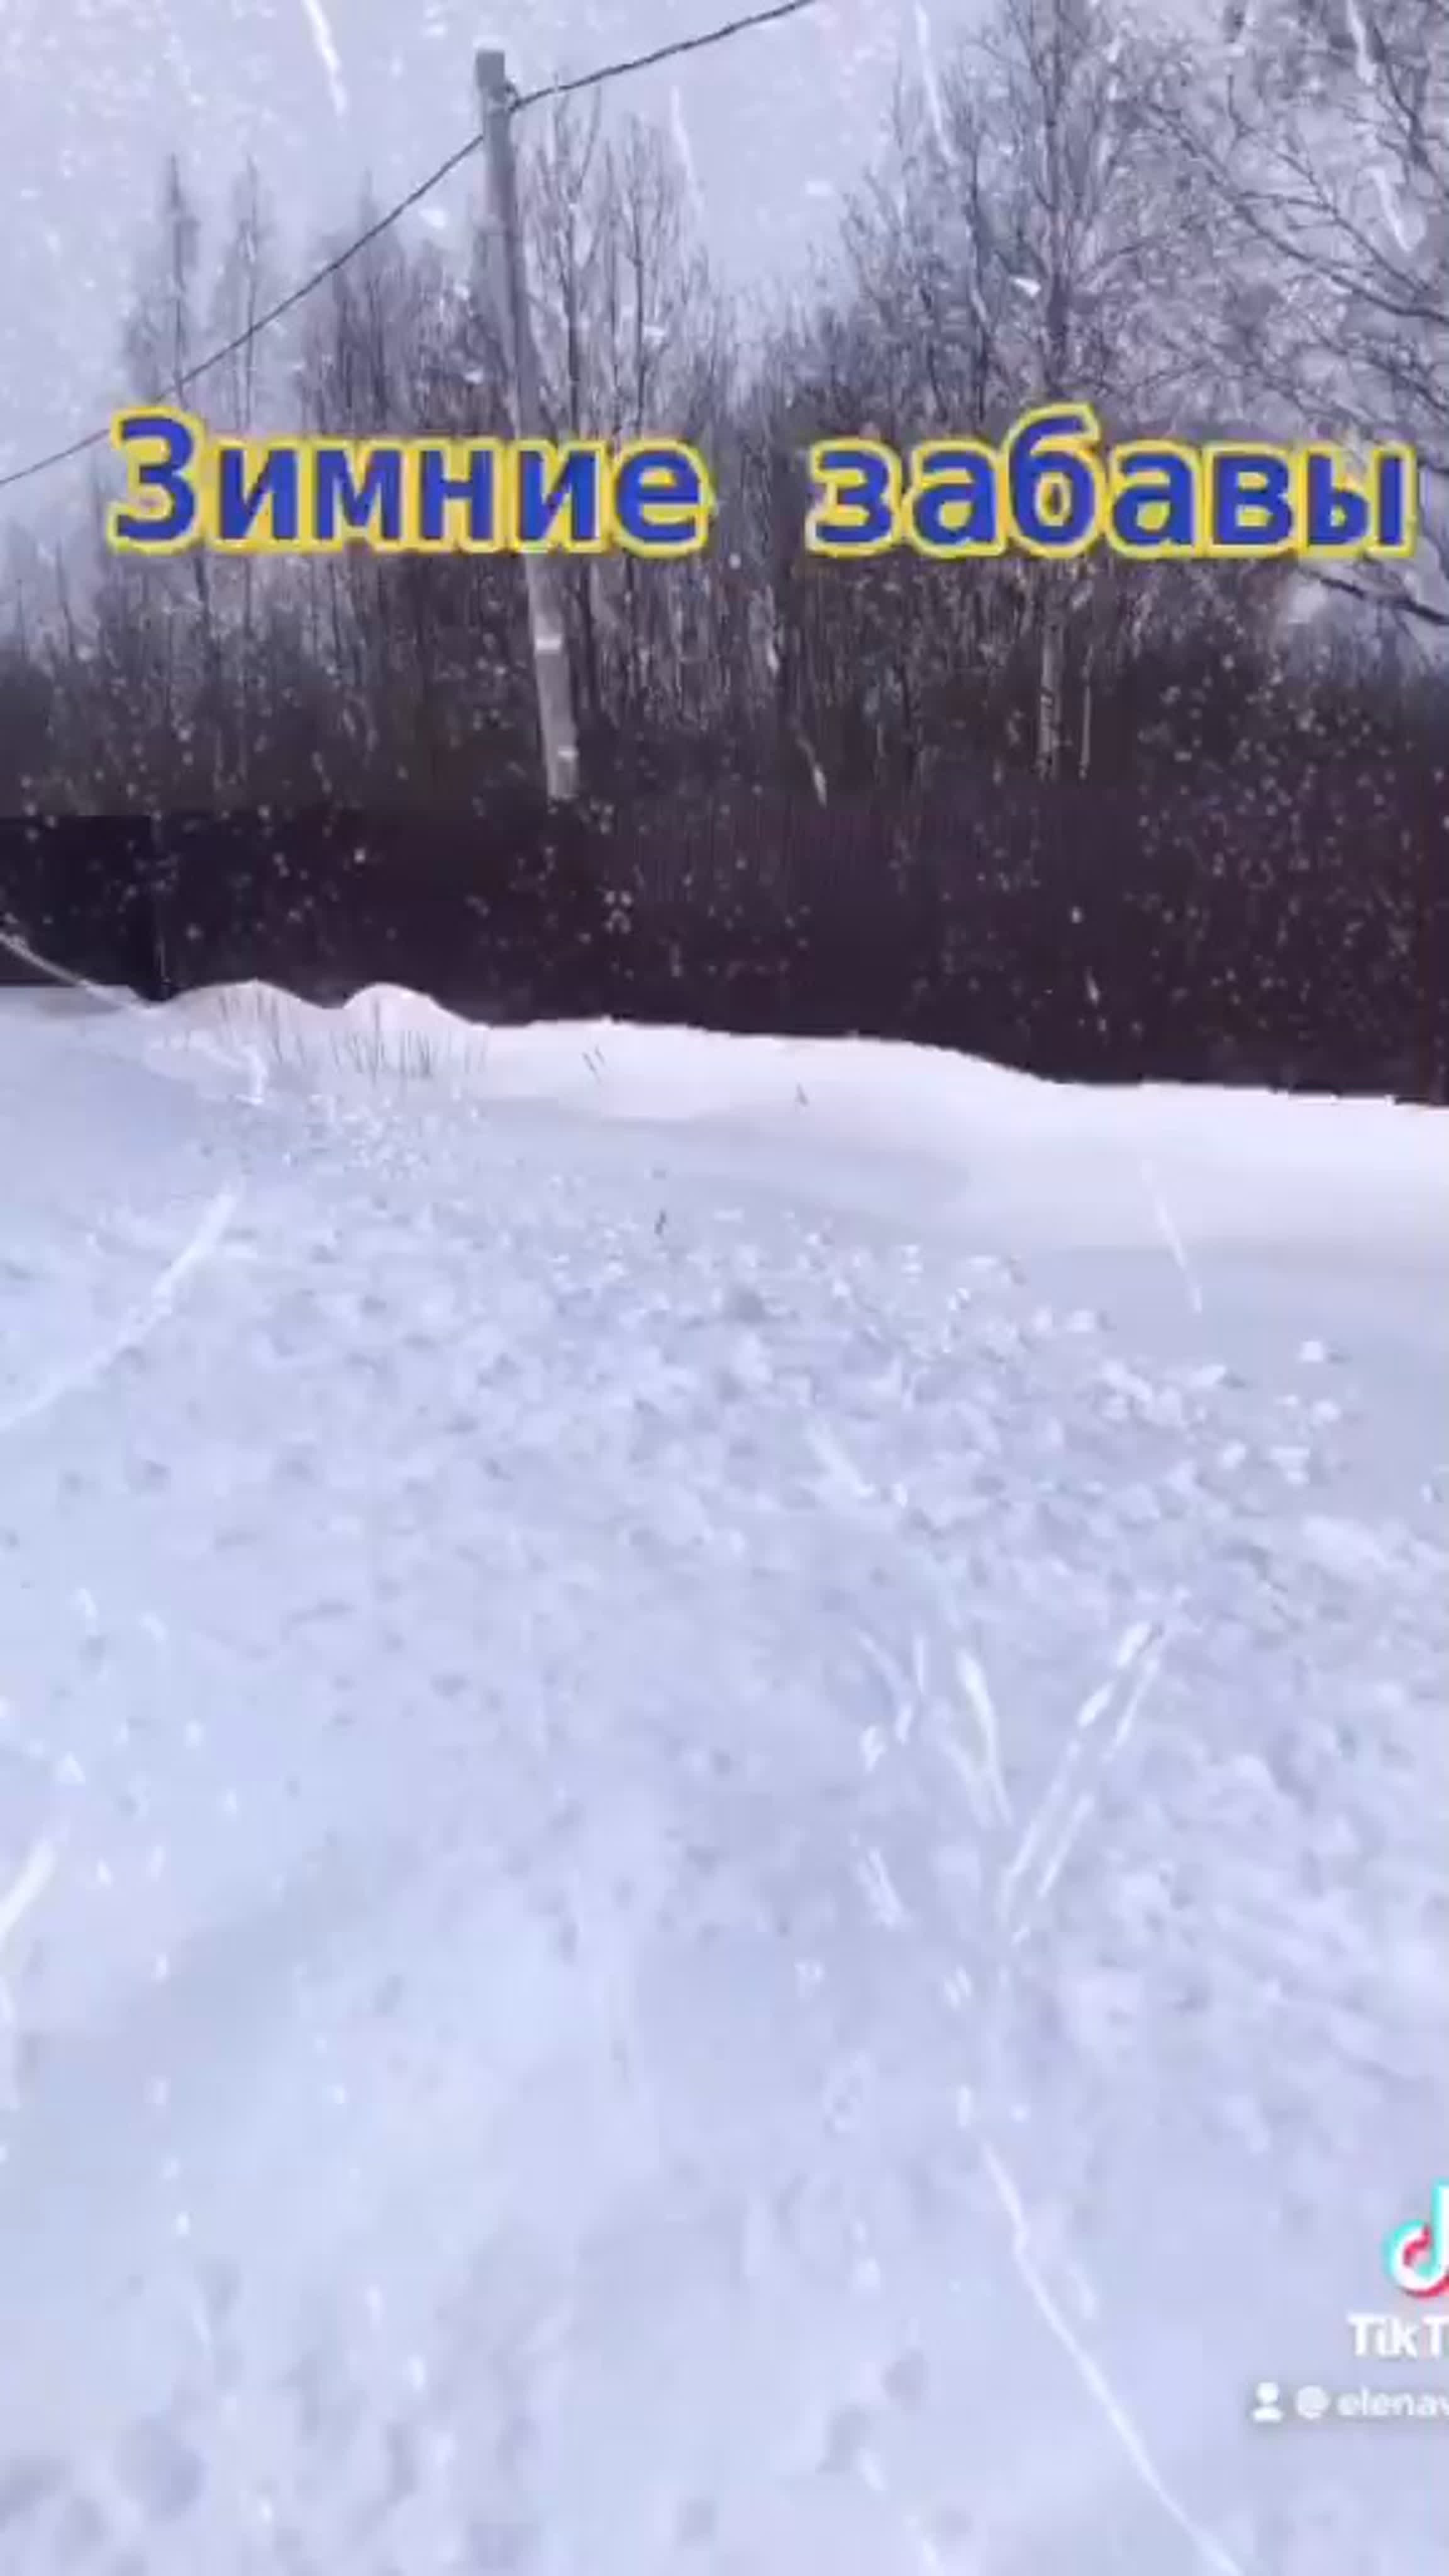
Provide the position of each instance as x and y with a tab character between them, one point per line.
510	294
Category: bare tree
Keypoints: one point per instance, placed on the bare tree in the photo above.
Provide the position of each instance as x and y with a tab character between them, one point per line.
1025	243
162	343
633	342
245	280
1325	140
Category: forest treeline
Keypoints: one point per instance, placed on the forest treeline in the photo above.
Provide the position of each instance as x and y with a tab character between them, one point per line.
1196	241
1236	233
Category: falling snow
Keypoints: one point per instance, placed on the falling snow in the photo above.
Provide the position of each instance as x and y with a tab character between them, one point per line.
319	28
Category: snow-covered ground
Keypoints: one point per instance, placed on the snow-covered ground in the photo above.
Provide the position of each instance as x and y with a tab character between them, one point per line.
723	1795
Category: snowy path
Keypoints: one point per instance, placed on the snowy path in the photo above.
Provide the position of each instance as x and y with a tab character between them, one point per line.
691	1877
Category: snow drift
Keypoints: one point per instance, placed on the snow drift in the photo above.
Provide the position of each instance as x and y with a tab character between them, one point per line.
722	1792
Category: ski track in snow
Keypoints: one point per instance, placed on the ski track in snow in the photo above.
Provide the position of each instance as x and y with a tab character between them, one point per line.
628	1849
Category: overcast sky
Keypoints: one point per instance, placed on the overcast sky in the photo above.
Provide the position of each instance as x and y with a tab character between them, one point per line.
93	93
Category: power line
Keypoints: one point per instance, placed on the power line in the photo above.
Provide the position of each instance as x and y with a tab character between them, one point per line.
664	53
261	322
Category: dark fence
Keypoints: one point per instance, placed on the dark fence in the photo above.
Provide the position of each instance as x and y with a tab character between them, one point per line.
500	917
1219	930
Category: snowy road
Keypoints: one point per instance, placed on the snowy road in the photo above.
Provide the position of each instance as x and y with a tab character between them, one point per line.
721	1841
